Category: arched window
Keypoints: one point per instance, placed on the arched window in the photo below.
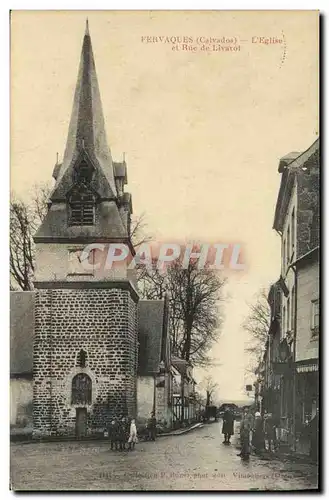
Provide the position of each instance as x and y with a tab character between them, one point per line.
82	358
82	206
81	389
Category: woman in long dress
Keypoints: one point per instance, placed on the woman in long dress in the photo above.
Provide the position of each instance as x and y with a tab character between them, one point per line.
245	428
258	438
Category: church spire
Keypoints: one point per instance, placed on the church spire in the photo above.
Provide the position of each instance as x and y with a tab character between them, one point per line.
87	128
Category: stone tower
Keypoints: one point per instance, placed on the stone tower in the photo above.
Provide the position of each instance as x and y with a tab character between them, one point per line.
85	344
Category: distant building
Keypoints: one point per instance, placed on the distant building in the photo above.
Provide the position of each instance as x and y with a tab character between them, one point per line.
184	397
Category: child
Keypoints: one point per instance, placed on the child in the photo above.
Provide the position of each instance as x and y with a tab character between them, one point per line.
133	435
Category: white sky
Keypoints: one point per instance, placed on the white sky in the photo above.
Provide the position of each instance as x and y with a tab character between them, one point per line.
203	133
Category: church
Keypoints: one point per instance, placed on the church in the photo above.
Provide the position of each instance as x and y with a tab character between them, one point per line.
84	347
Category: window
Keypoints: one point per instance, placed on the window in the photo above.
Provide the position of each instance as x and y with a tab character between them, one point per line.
293	312
288	315
81	389
82	207
283	328
82	358
315	317
288	246
293	231
283	255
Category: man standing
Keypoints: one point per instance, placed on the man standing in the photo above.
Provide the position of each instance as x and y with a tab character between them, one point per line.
270	432
152	423
228	425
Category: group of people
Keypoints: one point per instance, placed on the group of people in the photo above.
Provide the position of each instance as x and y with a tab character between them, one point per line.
123	431
255	431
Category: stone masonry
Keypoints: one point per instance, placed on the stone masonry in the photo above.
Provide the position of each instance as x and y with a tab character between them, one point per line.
102	322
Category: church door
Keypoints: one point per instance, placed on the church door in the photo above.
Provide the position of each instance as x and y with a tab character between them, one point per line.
81	422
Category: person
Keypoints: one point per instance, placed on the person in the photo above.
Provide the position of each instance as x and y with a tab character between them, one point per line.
132	435
127	429
270	431
314	437
245	428
151	426
228	425
113	435
258	440
121	434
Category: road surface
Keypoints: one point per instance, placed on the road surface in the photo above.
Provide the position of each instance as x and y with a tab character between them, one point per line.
197	460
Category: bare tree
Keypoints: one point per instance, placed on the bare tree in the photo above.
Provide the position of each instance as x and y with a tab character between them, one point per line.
257	325
25	219
195	313
210	386
138	232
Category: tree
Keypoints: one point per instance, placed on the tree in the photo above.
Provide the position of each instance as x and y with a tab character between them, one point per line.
25	219
138	233
257	325
194	298
210	387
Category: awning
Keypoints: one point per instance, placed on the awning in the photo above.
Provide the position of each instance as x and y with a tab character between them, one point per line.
311	367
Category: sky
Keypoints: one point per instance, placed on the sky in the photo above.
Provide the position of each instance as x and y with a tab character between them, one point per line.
202	130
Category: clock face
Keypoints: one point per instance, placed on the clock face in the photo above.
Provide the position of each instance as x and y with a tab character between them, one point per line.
76	262
80	262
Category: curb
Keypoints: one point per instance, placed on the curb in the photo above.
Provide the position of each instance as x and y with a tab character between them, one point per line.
98	440
180	432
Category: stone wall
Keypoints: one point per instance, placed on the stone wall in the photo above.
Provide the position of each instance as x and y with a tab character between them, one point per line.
308	185
102	322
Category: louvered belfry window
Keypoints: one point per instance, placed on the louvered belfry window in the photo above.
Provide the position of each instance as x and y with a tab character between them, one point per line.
82	207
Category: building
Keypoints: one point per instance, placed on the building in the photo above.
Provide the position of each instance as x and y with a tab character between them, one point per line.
154	383
185	404
307	341
297	222
82	338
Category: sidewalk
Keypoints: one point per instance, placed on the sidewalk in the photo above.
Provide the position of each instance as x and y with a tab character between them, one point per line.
27	438
178	432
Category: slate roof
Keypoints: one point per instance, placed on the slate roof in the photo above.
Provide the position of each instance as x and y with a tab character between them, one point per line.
87	127
150	333
55	225
86	143
21	332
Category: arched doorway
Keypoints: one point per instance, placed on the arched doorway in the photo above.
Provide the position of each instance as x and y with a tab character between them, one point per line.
81	395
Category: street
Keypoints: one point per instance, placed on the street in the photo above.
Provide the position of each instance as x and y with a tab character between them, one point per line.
193	461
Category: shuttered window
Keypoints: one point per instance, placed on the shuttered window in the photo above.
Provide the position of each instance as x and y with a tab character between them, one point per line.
82	207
